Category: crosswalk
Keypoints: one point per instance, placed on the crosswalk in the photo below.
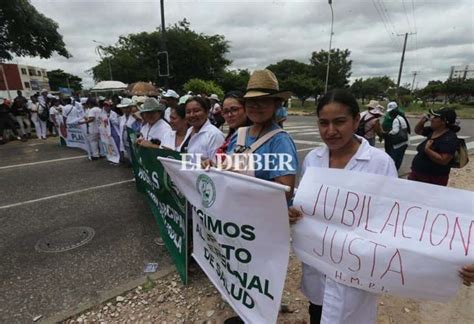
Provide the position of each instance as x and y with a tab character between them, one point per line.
308	135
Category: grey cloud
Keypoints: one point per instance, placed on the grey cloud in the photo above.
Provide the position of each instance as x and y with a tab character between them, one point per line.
263	32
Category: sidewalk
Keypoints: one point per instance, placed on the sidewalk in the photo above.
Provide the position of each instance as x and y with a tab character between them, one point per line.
168	301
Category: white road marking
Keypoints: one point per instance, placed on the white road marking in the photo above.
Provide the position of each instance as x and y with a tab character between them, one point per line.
297	141
65	194
306	133
306	149
42	162
470	145
296	127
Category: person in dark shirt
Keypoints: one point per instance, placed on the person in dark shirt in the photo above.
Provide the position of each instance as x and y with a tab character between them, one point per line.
432	162
6	121
20	111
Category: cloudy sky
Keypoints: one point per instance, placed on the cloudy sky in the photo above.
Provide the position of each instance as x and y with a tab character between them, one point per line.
263	32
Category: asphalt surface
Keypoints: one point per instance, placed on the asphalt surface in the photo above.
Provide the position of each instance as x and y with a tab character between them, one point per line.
46	188
37	199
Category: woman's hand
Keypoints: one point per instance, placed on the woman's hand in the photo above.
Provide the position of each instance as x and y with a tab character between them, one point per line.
145	143
294	215
206	164
428	145
467	274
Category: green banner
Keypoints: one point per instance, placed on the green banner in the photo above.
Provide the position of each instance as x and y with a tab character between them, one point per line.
167	204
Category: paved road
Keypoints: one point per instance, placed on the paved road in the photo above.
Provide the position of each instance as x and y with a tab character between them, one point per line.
45	188
305	133
37	199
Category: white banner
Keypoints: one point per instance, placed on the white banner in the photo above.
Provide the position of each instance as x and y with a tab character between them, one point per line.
76	137
109	140
241	243
384	234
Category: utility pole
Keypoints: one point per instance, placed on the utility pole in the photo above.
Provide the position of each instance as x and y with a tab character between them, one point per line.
163	67
330	44
403	57
413	83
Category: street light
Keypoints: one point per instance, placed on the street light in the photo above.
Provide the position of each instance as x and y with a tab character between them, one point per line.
330	43
97	49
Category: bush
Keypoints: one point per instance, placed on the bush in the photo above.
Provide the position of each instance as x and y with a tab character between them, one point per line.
198	86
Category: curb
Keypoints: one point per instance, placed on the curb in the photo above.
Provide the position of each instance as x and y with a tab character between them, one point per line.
107	295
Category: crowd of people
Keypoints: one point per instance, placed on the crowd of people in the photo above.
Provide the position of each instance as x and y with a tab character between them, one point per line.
190	124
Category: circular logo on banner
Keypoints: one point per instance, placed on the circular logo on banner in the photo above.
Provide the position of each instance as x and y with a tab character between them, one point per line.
206	188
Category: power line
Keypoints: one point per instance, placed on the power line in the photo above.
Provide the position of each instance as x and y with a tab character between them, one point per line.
390	34
406	14
389	19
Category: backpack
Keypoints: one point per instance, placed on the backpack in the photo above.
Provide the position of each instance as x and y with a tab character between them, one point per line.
245	157
461	156
44	115
361	129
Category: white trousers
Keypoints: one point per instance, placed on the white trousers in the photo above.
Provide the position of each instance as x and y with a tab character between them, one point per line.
94	144
24	120
40	126
341	304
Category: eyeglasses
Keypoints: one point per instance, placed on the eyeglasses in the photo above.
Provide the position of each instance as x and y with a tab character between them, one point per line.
232	111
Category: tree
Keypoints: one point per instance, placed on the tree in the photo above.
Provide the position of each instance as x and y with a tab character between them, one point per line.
287	68
26	32
198	86
372	88
339	68
234	80
60	79
296	77
432	90
191	55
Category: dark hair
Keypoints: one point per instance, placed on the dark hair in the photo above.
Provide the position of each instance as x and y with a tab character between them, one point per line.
237	95
180	110
91	102
67	101
341	96
204	103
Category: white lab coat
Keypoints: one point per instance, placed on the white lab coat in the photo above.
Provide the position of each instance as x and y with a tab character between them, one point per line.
341	303
205	142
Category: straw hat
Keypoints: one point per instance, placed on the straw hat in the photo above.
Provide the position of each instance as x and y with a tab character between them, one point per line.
372	104
263	83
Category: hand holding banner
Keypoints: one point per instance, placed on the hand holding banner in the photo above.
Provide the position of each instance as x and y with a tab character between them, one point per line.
384	234
241	243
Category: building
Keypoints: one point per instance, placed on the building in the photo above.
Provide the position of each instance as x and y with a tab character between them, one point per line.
28	79
462	72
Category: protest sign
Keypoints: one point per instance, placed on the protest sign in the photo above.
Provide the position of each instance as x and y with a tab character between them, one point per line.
384	234
241	244
167	204
110	140
74	135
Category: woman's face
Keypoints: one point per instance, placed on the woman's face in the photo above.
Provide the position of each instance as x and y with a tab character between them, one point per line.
196	115
260	110
234	113
176	122
151	117
436	123
336	125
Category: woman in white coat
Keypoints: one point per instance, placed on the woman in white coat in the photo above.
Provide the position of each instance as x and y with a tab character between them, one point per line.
338	120
35	109
202	138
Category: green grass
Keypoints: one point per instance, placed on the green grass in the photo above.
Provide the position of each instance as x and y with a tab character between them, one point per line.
463	111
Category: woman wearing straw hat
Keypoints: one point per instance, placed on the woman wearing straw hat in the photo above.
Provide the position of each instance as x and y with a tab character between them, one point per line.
262	99
155	128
